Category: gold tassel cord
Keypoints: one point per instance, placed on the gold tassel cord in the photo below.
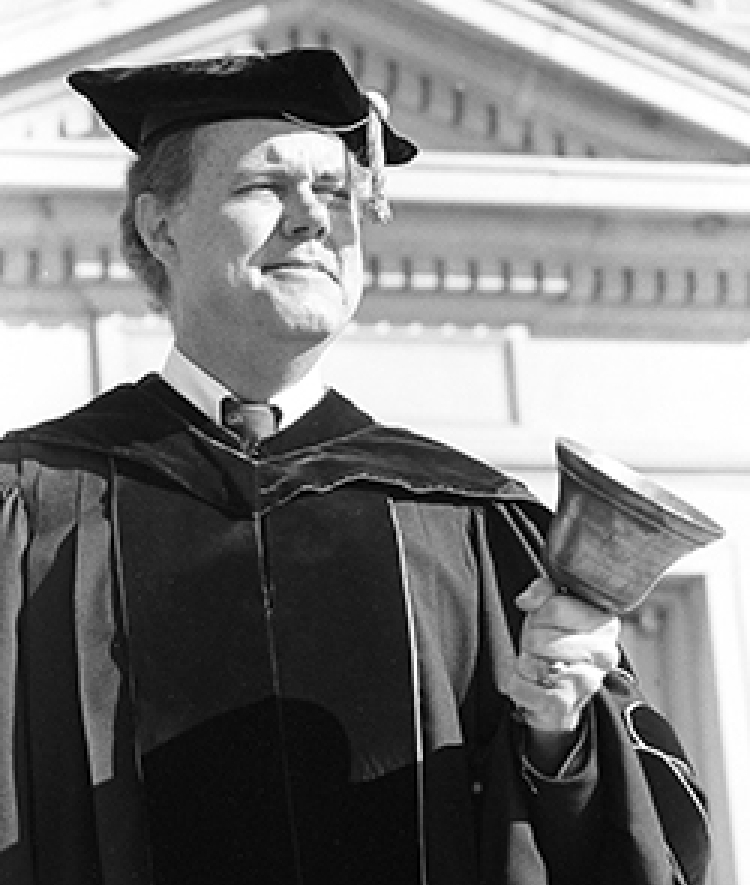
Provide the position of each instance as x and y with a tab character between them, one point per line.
376	157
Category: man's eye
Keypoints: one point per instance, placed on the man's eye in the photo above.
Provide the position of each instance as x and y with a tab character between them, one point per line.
260	188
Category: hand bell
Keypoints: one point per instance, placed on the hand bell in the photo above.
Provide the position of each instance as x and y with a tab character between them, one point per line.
615	532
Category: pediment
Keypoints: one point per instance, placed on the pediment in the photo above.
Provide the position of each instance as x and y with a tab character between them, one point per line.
453	83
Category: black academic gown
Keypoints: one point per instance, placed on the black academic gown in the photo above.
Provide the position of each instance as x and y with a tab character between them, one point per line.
287	667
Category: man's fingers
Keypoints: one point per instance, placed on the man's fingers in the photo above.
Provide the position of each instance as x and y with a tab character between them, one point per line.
552	700
585	677
598	648
536	594
566	611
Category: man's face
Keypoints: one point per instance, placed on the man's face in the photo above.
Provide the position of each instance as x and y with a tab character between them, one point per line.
267	243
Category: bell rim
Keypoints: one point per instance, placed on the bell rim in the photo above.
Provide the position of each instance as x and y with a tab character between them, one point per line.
612	480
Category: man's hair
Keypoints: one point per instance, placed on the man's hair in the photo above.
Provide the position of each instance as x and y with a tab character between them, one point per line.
164	169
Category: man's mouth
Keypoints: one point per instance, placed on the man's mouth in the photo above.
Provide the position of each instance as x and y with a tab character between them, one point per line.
299	265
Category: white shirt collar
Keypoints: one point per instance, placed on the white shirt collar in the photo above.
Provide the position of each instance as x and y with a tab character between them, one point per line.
206	392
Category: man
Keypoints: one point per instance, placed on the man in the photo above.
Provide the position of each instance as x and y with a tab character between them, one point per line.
251	636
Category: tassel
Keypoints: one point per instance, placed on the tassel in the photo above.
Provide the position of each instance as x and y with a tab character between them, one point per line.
376	157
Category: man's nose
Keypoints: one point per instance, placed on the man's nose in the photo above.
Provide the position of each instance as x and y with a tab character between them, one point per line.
305	215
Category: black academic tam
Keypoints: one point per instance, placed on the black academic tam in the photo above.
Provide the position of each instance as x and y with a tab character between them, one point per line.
311	86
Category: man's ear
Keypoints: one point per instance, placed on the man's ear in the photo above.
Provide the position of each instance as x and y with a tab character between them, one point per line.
154	224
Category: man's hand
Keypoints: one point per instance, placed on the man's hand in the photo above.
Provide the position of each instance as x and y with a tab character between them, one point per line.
567	647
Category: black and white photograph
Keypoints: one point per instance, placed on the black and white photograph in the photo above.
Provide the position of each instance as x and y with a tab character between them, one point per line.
374	442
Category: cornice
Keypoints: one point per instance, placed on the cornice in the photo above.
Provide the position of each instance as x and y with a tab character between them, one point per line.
573	183
167	35
655	56
692	82
471	179
680	34
28	39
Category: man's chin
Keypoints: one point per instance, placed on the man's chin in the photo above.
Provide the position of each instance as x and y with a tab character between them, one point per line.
312	315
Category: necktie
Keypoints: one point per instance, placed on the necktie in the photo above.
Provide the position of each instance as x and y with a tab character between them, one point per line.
252	422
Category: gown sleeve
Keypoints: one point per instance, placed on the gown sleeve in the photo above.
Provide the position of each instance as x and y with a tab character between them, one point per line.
634	814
